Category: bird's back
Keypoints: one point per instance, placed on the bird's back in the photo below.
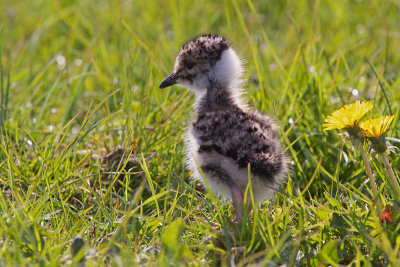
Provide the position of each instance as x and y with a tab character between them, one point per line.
246	137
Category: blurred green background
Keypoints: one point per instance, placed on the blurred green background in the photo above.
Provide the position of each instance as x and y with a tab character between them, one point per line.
79	93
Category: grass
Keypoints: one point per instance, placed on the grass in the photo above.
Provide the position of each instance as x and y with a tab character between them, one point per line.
92	154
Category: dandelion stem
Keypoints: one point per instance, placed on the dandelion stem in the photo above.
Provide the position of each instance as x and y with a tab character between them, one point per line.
392	177
371	181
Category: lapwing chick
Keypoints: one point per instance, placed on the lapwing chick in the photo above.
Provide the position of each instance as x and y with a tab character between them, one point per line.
225	136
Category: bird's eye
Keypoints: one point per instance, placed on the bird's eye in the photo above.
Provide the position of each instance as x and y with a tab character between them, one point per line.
189	64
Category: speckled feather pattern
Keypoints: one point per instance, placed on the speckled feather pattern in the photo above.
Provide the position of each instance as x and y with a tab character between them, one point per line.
245	137
205	49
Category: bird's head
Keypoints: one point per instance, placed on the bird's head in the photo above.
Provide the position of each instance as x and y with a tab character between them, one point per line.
205	62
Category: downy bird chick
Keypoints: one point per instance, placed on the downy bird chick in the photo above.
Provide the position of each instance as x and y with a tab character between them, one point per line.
225	136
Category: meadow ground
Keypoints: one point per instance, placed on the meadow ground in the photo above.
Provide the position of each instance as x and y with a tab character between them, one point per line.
92	159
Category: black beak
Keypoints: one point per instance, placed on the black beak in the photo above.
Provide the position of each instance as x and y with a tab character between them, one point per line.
170	80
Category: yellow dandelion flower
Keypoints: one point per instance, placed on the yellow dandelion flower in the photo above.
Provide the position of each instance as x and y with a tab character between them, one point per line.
347	116
375	128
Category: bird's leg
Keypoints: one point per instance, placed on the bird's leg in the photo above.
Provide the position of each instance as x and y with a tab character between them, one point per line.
237	200
223	176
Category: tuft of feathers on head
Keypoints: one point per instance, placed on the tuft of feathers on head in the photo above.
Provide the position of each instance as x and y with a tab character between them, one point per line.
203	48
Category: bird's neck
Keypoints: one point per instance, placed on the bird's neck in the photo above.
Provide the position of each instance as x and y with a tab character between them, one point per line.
217	97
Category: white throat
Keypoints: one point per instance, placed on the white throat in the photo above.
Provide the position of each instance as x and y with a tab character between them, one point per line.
228	70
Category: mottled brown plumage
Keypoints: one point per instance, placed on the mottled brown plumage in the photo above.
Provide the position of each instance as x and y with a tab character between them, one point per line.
226	137
245	137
